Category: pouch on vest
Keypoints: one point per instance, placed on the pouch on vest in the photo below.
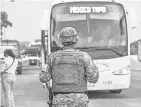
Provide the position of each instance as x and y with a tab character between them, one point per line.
68	73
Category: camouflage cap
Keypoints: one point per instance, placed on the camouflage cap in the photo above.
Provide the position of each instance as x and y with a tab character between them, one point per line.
68	34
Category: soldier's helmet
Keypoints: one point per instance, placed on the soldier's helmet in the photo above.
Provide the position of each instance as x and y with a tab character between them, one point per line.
68	35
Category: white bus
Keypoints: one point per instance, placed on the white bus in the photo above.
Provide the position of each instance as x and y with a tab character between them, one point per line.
139	51
102	32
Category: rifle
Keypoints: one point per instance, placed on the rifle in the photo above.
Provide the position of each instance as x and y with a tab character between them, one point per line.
44	54
50	94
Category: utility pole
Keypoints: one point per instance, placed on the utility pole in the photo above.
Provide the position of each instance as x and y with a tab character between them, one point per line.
1	10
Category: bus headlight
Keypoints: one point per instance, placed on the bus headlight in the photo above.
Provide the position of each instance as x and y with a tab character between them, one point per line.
123	71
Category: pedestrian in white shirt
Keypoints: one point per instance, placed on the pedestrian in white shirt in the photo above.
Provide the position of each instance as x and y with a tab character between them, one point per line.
8	76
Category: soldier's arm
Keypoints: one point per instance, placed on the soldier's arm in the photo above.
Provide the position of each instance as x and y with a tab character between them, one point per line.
45	74
91	71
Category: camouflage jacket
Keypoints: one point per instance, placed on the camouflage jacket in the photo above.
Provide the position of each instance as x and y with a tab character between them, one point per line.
91	71
72	99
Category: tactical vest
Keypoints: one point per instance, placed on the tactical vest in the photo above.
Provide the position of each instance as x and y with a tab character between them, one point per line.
68	72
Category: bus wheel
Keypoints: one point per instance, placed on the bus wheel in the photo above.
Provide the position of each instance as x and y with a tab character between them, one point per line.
115	91
19	71
89	94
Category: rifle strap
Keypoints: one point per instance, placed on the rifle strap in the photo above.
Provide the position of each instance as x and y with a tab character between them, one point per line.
8	67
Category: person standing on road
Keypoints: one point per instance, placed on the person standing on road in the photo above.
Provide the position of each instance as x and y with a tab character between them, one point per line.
69	69
8	76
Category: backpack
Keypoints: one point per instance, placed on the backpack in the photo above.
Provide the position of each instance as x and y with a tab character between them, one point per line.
68	72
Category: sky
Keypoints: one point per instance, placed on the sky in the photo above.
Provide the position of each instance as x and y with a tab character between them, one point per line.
26	18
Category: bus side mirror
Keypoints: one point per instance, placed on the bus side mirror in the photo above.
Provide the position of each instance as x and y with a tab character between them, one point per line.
139	51
133	18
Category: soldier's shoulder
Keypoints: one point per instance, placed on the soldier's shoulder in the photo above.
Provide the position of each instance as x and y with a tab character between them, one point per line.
83	53
54	53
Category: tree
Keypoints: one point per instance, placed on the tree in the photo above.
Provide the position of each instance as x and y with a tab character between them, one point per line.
4	21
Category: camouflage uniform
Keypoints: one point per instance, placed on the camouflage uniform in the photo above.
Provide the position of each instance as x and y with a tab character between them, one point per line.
71	99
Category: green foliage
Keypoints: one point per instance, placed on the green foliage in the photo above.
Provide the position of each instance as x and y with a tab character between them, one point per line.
4	21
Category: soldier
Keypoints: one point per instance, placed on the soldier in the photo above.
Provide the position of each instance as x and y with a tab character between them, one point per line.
69	69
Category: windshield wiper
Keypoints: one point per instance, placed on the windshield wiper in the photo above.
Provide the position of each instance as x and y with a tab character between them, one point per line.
121	25
82	47
110	50
95	48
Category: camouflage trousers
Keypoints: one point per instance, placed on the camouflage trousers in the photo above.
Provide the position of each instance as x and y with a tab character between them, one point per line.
70	100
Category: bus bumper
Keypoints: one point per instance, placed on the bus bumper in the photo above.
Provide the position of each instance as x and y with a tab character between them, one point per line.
110	82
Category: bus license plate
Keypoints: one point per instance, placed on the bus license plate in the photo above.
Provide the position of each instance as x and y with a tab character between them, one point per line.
107	82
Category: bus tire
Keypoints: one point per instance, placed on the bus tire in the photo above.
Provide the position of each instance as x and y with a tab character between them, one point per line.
19	71
115	91
89	94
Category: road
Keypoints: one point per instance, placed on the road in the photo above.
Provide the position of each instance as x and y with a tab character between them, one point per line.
30	93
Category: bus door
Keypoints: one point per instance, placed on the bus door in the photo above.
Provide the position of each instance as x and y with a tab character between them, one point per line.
44	49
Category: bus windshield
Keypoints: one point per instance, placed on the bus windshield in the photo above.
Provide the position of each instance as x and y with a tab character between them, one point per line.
101	27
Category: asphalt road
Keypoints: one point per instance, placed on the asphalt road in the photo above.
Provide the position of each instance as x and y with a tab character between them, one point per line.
30	93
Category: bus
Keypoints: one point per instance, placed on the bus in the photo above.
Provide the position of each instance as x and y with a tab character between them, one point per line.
139	51
16	44
102	33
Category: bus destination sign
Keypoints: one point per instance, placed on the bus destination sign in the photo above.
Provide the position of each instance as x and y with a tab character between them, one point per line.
94	10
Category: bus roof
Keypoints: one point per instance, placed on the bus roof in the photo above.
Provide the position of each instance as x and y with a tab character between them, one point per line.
7	47
7	40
